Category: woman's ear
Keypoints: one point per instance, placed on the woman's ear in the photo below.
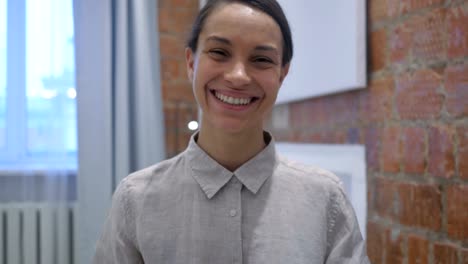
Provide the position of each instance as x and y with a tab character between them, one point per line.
190	62
284	72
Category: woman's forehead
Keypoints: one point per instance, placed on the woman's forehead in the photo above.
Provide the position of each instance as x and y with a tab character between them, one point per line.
238	20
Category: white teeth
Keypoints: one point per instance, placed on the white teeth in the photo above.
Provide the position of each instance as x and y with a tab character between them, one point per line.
232	100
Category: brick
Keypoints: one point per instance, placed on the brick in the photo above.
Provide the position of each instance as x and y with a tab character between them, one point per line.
297	114
441	158
164	20
376	237
372	138
353	136
183	75
378	10
445	254
326	103
413	5
386	198
164	3
316	137
179	91
393	8
457	211
414	144
339	109
464	256
420	205
391	149
428	33
348	106
191	4
417	95
462	136
457	19
394	247
418	249
376	101
313	112
171	46
171	144
182	20
383	9
456	86
333	137
170	69
170	117
400	43
378	49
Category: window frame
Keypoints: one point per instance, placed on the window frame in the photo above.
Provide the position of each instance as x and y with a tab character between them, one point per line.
15	155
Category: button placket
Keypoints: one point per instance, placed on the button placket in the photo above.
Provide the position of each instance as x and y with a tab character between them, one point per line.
235	213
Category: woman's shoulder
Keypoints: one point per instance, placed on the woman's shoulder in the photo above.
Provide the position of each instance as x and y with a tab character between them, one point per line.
138	181
308	176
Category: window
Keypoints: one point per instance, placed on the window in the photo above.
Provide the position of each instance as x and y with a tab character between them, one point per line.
37	80
3	34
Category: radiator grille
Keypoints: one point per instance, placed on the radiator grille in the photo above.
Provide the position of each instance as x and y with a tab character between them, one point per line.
36	233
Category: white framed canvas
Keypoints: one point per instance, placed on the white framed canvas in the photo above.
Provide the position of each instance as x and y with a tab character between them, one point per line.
346	161
329	48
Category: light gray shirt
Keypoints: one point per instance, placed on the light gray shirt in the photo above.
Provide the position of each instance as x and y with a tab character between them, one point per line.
190	209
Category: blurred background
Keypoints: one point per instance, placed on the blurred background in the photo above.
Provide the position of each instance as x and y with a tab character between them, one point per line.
92	91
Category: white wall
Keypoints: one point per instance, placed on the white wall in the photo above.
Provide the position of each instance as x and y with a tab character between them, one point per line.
330	51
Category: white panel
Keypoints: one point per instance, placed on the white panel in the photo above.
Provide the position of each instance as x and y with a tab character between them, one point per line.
64	236
30	232
329	47
13	235
93	35
47	238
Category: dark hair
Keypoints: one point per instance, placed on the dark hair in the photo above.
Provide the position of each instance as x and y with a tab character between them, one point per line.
270	7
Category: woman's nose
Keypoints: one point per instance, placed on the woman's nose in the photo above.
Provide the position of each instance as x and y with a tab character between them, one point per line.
237	75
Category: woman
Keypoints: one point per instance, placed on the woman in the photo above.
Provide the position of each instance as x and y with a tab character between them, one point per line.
229	198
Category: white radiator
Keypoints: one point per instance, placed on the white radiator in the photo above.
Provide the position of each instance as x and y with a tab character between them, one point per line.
36	233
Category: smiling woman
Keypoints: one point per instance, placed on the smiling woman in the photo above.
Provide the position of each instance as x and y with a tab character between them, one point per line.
229	198
231	65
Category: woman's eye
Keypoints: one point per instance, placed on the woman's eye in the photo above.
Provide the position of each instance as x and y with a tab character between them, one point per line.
218	54
263	60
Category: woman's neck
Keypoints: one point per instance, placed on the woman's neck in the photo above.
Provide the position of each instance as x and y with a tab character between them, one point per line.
231	150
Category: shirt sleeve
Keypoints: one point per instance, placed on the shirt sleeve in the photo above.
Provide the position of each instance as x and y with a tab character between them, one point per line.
345	242
117	243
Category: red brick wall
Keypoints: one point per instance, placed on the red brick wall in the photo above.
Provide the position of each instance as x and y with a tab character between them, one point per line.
175	19
412	118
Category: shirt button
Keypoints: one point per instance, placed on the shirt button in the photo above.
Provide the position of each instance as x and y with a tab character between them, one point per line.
233	212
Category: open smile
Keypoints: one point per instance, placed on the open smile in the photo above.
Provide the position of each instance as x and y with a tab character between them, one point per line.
235	101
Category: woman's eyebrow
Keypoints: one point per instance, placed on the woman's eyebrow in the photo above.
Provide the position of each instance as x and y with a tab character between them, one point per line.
228	42
267	48
219	39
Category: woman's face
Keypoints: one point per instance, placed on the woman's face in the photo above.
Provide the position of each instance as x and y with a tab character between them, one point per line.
236	71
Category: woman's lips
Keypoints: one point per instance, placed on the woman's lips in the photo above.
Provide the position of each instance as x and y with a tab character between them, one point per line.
233	100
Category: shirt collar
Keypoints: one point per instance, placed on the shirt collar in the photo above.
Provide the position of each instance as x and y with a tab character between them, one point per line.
211	176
